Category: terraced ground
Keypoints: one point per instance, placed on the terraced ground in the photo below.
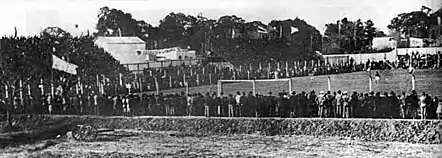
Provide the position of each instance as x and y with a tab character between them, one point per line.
429	81
250	137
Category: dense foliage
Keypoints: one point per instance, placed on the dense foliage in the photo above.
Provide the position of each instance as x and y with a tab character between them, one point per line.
230	36
420	24
29	59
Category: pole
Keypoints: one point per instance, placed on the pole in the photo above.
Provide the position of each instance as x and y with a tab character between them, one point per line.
42	86
311	43
413	82
184	78
6	91
438	60
370	84
98	83
21	92
76	87
29	89
157	86
170	81
328	83
197	79
103	84
141	84
219	88
254	87
287	69
52	83
187	88
290	85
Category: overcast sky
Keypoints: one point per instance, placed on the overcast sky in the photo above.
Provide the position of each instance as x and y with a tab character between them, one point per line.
30	16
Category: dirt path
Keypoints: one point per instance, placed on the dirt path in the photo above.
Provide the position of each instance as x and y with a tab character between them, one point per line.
133	143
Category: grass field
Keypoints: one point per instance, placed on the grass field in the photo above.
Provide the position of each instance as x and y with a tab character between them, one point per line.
429	81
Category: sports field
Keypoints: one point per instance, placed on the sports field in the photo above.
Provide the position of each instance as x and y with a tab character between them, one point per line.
429	81
138	143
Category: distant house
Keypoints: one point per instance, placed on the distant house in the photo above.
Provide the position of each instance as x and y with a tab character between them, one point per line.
124	49
382	43
257	31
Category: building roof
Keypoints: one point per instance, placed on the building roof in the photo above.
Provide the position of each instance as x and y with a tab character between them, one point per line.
121	40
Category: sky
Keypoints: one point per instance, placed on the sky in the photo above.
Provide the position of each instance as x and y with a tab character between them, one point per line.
31	16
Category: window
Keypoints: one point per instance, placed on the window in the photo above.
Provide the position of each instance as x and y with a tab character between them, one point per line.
185	57
179	57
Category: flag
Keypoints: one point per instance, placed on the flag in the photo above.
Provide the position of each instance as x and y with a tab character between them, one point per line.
120	76
293	30
262	30
62	65
339	27
15	31
410	70
280	31
233	32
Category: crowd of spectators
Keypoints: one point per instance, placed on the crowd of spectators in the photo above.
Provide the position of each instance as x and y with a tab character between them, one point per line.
420	61
340	104
116	94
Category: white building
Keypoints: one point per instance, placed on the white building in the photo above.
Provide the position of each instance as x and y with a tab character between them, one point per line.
380	43
124	49
174	53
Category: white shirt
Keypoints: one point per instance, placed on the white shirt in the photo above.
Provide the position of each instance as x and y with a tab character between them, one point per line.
238	98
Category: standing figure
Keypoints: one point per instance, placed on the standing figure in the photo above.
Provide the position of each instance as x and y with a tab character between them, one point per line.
126	105
207	104
403	105
423	105
338	100
346	105
49	103
231	102
321	101
439	107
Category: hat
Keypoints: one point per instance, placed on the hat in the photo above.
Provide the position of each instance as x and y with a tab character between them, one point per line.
321	92
345	92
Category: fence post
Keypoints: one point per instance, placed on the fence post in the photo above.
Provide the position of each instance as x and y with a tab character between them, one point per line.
290	85
370	84
413	82
254	87
219	88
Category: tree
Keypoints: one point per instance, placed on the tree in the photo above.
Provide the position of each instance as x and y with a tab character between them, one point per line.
55	32
412	24
176	29
204	34
435	22
350	36
114	22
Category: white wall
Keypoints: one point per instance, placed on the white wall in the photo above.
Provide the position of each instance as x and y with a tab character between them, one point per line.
391	56
380	43
431	50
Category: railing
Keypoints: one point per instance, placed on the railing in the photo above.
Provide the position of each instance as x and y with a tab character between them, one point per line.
137	67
